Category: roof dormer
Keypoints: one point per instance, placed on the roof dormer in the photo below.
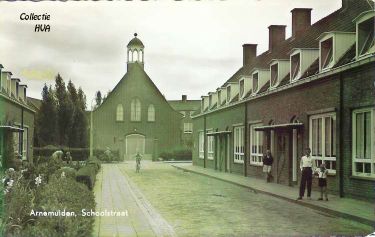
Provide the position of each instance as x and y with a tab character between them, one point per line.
259	78
14	86
332	46
212	99
244	86
204	103
232	91
279	68
221	96
6	81
300	61
365	34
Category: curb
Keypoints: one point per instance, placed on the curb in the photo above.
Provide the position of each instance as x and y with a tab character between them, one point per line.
362	220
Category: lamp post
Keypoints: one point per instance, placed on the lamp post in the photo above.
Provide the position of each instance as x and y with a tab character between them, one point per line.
91	130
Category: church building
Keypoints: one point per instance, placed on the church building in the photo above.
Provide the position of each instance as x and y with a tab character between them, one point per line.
136	117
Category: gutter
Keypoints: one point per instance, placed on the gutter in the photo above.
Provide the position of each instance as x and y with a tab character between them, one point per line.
315	77
16	102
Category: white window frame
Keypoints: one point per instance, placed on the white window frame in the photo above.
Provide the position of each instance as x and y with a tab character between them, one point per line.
25	142
229	94
241	93
323	157
239	141
151	113
295	74
119	113
274	83
256	157
135	110
201	144
255	85
188	127
323	61
372	144
361	51
210	146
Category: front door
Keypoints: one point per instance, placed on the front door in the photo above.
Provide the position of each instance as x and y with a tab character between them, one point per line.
282	156
134	143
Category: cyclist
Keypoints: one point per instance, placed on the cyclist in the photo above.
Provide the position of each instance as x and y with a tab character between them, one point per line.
138	158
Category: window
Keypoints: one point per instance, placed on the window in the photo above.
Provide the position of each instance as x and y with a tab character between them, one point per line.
295	66
228	94
219	98
151	113
210	146
135	110
119	113
366	36
210	100
256	145
24	143
363	143
16	142
238	144
274	74
255	82
242	88
322	140
201	144
326	53
188	127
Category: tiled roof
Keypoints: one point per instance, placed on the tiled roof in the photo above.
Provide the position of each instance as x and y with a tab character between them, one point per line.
264	88
180	105
340	20
347	58
313	69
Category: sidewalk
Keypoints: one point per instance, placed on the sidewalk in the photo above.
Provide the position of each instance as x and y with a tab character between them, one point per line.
356	210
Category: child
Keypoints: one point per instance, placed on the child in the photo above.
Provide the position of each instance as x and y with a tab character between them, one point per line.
322	174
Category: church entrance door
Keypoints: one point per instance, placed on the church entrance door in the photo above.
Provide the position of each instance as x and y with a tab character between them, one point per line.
134	143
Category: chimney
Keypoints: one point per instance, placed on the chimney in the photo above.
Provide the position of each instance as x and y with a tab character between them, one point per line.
249	53
184	98
276	35
301	20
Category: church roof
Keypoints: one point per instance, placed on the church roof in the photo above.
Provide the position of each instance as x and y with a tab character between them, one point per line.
135	42
180	105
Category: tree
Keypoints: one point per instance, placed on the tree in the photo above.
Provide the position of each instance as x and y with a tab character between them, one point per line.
73	136
82	123
98	98
46	118
64	111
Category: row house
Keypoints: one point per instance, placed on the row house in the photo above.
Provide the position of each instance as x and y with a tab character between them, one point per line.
314	89
16	117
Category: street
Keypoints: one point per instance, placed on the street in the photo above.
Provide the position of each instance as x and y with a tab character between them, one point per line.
164	201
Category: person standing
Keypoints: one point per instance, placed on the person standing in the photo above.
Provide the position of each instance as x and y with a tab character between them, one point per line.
267	164
307	166
322	174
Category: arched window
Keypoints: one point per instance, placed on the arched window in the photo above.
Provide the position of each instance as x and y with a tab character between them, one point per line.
151	113
140	55
135	110
119	113
135	55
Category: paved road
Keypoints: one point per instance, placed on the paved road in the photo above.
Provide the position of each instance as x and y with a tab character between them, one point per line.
115	192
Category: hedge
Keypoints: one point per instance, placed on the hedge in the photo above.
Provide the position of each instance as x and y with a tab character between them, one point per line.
179	154
78	154
87	173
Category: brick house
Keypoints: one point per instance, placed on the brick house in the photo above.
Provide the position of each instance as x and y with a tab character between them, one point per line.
314	89
16	116
135	116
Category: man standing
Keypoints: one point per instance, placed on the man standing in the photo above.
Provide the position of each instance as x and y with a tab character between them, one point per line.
307	166
138	158
267	164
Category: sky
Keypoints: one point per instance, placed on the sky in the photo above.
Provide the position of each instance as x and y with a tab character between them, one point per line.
191	47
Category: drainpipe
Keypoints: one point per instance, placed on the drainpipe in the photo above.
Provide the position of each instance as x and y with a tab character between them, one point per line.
341	147
245	143
21	135
204	142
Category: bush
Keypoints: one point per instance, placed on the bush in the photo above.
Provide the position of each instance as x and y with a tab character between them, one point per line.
59	194
69	172
87	175
78	154
178	154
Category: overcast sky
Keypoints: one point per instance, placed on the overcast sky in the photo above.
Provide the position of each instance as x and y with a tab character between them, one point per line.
190	47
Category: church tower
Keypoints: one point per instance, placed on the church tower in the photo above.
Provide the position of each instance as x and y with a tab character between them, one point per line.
135	52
